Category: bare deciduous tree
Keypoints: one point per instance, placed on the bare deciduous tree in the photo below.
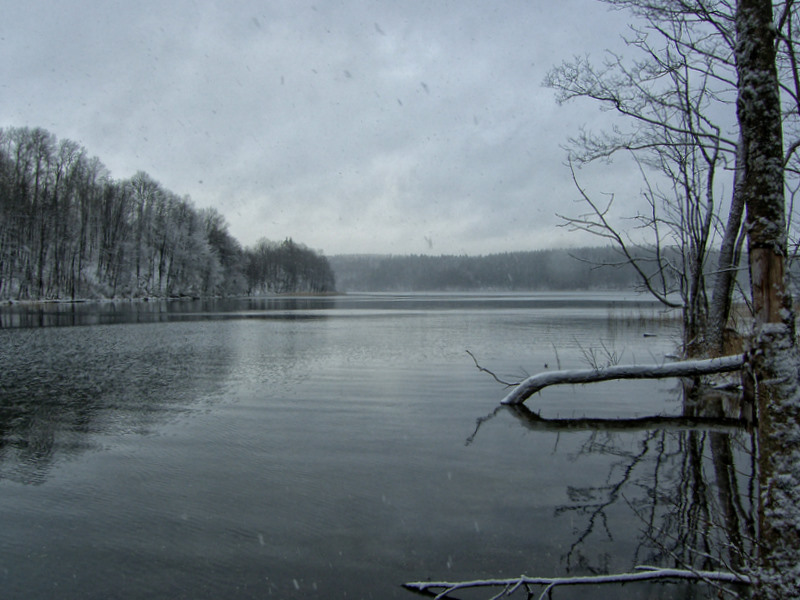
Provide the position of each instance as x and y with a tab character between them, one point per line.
678	97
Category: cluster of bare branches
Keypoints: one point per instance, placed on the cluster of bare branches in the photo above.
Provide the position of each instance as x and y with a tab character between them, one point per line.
676	97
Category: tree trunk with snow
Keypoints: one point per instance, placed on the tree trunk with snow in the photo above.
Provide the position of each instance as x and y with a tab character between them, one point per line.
774	355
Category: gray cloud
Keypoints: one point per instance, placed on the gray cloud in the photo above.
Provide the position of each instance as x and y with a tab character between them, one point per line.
352	126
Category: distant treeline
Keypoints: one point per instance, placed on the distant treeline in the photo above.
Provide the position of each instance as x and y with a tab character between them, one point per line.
68	230
574	269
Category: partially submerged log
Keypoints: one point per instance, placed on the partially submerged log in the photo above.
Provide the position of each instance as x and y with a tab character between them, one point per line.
687	368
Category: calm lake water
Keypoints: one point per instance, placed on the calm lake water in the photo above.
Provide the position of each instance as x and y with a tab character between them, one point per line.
338	447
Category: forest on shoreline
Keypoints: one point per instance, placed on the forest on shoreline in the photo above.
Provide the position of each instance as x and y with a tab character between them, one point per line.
68	230
560	269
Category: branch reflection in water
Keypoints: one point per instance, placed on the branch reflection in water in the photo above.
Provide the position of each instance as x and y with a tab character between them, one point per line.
686	481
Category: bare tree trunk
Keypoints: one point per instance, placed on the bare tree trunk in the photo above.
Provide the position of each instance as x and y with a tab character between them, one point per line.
725	279
774	356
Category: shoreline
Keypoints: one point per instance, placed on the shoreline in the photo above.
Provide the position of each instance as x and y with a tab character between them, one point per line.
145	299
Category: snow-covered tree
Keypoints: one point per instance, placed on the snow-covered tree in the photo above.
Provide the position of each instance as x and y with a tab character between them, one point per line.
775	357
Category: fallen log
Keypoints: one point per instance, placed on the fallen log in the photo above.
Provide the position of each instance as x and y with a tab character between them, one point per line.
688	368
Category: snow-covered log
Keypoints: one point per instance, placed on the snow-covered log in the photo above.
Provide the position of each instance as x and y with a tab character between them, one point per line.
548	583
687	368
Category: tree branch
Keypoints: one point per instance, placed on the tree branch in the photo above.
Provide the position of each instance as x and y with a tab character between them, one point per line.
493	375
689	368
644	573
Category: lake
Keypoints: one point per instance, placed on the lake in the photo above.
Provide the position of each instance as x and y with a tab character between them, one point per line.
337	447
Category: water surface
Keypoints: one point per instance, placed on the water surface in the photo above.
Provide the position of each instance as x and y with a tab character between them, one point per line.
337	447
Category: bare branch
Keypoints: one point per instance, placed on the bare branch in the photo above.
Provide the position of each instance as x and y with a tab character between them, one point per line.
493	375
602	228
643	573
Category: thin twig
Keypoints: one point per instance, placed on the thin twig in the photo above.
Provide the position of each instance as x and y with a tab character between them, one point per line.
485	370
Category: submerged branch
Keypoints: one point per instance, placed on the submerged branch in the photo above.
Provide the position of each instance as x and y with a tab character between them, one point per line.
689	368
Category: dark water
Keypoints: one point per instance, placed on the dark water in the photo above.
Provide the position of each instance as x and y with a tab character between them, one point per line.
337	447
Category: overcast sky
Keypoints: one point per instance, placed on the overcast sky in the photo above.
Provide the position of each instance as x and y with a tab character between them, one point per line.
352	126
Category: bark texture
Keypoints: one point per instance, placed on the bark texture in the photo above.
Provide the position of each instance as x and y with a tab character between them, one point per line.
774	355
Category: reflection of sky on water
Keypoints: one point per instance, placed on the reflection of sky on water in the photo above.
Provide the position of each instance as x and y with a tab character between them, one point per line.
63	386
197	457
52	314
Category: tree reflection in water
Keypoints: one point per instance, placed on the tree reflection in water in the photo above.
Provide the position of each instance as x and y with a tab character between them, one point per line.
686	481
